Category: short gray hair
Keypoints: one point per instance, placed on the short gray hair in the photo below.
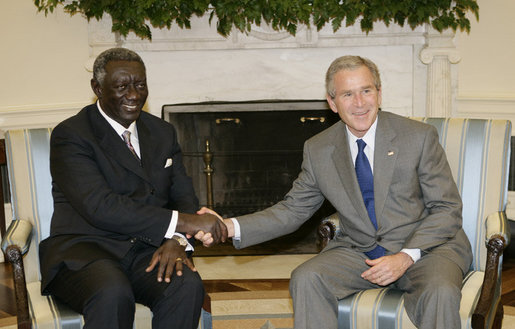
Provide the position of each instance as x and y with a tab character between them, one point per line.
349	63
109	55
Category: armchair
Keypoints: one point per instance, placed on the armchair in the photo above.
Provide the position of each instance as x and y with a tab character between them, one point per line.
28	157
478	152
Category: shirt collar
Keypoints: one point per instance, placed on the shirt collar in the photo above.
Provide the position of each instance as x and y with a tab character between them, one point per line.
369	138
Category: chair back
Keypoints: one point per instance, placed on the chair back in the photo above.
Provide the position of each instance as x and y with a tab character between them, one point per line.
28	165
476	149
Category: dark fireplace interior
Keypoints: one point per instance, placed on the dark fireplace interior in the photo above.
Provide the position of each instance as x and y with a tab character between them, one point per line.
244	157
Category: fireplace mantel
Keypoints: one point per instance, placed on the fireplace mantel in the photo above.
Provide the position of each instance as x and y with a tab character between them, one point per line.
197	65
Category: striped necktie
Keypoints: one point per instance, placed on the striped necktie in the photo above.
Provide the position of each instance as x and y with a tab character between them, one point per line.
127	139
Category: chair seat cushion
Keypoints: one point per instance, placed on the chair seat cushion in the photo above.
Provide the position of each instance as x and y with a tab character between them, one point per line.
46	312
384	308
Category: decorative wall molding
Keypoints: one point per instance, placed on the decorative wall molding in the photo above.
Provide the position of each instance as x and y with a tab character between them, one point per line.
487	107
46	116
498	106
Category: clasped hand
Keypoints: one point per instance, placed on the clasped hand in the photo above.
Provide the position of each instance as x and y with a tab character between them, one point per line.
204	222
206	237
170	255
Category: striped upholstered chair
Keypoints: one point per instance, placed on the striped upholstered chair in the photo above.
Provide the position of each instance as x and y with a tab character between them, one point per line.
478	152
32	205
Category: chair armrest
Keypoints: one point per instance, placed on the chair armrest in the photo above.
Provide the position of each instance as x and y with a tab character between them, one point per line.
497	224
15	244
496	241
327	230
18	234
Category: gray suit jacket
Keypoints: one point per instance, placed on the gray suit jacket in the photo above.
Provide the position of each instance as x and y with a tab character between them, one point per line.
417	203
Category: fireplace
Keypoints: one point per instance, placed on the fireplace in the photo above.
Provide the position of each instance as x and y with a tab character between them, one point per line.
244	157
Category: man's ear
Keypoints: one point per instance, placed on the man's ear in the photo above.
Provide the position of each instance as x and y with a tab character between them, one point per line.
97	89
331	103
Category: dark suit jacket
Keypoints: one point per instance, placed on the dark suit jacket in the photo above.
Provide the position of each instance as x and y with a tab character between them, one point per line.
416	200
103	197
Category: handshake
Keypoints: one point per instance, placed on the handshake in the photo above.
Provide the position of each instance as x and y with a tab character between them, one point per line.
206	226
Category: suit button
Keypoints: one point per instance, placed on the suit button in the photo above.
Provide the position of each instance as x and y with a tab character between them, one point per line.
152	191
378	239
353	247
133	240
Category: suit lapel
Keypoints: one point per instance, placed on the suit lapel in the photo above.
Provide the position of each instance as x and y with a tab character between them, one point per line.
113	144
385	156
343	162
148	144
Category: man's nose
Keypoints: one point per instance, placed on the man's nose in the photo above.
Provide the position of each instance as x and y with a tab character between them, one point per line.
358	99
132	92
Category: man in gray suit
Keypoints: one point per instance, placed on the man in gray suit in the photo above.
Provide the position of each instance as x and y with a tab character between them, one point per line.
398	205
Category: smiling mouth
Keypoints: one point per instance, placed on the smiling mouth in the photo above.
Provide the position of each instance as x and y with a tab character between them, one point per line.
360	113
131	108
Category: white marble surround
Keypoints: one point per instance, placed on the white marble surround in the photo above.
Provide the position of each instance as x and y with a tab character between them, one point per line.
199	65
417	66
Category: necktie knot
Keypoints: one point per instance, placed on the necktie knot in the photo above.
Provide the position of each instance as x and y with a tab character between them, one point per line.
127	139
127	136
361	145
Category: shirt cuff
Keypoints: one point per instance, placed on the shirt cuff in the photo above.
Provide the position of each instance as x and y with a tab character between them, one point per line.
189	247
413	253
173	225
237	230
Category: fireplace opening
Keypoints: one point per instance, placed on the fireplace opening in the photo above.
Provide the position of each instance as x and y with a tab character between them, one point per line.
244	156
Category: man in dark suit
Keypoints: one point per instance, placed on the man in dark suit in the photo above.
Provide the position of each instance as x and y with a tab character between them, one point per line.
399	209
120	201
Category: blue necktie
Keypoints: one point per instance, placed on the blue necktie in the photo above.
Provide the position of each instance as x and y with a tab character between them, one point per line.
366	184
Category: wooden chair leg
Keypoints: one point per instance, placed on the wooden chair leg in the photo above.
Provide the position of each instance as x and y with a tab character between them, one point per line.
15	257
499	314
2	213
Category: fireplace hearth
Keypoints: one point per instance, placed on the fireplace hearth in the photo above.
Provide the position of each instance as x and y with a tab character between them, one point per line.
244	157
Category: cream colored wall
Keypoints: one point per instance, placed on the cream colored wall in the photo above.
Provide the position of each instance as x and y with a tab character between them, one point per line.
486	73
42	58
488	52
